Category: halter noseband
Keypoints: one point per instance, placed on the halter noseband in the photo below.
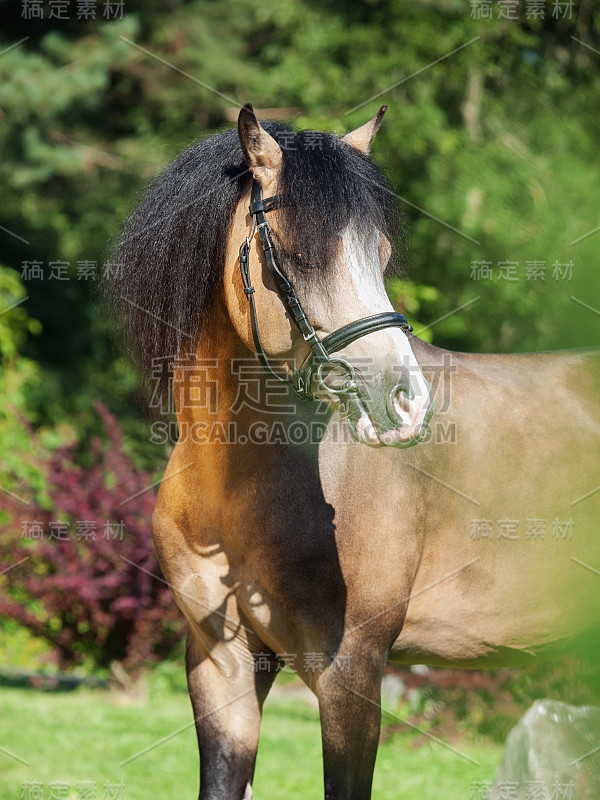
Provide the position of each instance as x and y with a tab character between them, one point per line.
319	356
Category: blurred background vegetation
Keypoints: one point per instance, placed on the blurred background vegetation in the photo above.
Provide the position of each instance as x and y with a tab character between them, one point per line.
490	141
498	141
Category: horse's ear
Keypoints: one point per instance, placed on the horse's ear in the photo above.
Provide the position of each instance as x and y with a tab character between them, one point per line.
262	153
362	137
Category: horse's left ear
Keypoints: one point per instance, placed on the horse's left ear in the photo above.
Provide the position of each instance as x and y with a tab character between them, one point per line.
261	152
362	137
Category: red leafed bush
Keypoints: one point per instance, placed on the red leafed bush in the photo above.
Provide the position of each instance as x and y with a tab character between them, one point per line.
88	581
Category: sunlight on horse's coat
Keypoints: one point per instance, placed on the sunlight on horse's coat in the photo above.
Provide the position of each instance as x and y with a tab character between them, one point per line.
330	548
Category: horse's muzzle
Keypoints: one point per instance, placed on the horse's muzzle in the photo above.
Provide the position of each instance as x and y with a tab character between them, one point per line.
395	418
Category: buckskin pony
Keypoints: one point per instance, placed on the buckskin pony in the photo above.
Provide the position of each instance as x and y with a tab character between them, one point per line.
284	539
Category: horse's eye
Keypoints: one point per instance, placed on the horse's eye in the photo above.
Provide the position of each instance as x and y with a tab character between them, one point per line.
297	260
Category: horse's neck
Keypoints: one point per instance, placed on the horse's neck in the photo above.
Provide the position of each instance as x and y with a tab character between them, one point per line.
224	398
203	383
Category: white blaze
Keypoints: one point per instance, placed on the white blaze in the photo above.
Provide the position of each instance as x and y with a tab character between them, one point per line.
362	262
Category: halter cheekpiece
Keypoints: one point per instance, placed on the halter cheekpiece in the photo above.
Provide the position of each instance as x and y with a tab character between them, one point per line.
320	356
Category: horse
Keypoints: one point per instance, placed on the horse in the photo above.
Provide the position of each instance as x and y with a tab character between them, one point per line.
313	512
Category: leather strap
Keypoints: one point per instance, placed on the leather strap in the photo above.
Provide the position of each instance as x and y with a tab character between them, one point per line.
284	287
266	204
354	330
320	349
249	290
343	337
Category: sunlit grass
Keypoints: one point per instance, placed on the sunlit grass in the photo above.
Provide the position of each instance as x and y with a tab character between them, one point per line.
86	735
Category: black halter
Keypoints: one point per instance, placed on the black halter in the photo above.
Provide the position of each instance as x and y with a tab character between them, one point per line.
319	356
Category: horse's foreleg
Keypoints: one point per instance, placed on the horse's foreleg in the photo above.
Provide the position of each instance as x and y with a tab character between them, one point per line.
227	697
349	702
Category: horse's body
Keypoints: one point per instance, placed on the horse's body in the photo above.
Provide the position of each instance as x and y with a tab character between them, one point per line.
332	556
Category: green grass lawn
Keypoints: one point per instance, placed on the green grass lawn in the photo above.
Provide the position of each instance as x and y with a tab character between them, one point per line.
84	736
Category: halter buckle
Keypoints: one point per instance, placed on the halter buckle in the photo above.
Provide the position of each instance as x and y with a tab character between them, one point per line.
349	386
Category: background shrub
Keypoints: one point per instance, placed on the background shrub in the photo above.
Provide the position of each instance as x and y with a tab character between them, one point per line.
82	572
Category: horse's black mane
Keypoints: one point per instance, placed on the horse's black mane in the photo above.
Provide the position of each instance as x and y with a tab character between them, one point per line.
168	260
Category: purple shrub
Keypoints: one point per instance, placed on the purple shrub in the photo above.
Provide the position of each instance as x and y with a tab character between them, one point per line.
91	585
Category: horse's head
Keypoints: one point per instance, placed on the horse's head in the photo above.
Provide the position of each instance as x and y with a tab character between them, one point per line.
333	237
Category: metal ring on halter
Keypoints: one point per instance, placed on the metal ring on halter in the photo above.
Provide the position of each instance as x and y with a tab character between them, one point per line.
350	384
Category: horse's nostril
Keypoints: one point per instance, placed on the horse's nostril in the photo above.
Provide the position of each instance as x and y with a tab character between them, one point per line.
404	384
401	400
398	403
